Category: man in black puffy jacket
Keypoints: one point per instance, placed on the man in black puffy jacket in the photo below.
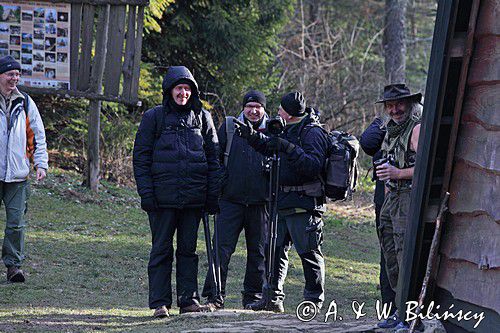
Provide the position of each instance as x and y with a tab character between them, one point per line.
302	149
243	201
176	169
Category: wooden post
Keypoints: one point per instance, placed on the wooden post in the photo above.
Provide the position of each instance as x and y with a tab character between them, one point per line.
93	161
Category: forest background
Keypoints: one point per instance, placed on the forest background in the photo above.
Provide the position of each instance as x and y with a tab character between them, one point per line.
331	50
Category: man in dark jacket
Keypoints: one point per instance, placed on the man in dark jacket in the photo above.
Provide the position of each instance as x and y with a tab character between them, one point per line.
243	201
371	143
176	168
302	149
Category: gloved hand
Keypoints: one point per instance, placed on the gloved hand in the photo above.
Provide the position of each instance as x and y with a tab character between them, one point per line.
148	203
244	129
212	207
276	144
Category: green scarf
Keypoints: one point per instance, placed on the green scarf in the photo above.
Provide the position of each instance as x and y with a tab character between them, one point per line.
394	129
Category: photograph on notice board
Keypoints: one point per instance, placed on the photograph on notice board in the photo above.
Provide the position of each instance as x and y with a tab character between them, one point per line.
37	34
27	15
9	13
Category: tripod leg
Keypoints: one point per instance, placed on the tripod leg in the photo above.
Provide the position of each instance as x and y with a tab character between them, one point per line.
218	282
211	264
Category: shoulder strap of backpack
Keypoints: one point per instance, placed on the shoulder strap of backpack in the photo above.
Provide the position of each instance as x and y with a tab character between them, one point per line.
229	137
26	102
160	122
307	127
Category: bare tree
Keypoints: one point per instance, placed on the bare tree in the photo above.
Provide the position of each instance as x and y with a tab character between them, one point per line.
332	65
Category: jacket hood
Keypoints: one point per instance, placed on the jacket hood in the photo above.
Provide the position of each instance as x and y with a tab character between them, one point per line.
174	75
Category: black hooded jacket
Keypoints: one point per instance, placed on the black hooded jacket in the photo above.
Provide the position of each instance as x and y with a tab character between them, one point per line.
177	162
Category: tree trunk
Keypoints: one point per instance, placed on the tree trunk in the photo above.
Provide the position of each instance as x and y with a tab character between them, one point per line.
93	163
395	41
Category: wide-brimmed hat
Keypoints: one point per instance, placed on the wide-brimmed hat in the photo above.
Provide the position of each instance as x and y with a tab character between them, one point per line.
397	91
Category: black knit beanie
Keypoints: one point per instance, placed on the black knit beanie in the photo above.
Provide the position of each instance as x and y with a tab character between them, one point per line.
8	63
294	104
254	96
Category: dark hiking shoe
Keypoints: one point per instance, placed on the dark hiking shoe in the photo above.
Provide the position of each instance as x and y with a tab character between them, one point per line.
390	322
161	312
14	274
403	327
262	305
196	307
214	304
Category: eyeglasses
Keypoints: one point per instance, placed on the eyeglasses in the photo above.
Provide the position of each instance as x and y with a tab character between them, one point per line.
253	106
12	75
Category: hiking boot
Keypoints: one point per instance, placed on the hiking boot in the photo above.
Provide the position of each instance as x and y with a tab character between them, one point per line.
161	312
196	307
403	327
263	305
390	322
214	304
14	274
259	305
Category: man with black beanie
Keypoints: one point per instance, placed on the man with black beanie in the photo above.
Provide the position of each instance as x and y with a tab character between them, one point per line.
302	149
243	201
22	138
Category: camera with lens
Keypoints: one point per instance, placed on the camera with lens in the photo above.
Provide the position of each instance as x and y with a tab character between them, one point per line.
389	159
380	161
275	126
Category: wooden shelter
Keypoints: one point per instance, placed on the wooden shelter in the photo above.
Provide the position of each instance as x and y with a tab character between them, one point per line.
105	56
105	46
459	153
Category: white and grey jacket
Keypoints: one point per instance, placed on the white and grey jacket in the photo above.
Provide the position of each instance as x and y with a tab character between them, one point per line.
22	137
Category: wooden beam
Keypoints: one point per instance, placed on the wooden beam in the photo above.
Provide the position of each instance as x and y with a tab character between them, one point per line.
84	62
114	55
76	29
488	22
128	61
137	54
491	320
104	2
484	66
457	45
457	113
466	281
79	94
93	162
482	183
472	237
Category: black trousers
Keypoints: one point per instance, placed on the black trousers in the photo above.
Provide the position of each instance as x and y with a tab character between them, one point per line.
305	232
164	223
386	291
234	218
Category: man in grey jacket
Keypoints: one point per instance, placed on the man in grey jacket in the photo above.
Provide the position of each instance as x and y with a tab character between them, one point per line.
22	137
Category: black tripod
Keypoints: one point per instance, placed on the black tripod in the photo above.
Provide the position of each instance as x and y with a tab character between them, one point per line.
272	226
213	257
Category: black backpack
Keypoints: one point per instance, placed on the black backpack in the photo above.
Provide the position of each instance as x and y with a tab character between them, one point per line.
341	169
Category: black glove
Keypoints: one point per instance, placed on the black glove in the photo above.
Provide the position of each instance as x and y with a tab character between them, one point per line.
244	130
149	204
212	207
276	144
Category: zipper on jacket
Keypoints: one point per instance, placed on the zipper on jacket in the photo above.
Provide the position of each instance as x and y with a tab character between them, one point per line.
14	114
